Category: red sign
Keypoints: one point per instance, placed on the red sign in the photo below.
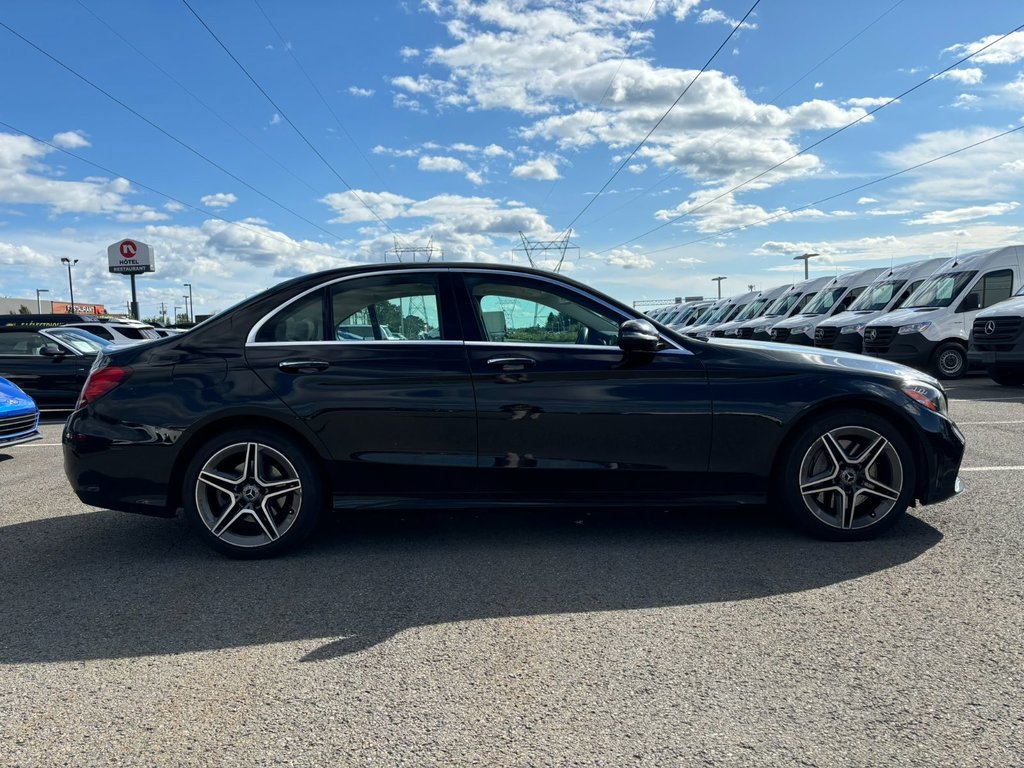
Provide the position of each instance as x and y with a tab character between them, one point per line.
64	308
128	249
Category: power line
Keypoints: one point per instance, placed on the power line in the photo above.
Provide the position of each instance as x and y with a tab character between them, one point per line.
809	147
166	133
148	188
771	102
608	89
851	190
288	120
200	101
313	85
663	117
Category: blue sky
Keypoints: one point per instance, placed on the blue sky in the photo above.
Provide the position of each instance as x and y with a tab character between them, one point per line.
461	124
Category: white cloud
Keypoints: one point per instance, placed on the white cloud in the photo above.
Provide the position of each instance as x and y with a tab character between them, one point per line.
1009	51
173	206
818	85
70	140
714	16
442	164
965	100
382	150
275	119
494	150
627	259
965	214
218	200
866	200
1015	89
409	53
23	256
540	169
364	93
350	206
966	76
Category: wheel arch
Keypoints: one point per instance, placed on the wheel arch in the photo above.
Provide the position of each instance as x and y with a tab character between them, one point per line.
881	408
230	422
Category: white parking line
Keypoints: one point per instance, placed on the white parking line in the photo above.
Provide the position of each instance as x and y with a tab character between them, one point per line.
992	469
975	400
36	445
961	423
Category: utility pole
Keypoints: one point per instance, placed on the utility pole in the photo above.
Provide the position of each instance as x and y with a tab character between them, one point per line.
719	280
163	312
190	308
806	257
71	285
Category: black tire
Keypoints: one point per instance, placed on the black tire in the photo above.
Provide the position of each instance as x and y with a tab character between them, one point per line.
881	488
252	493
949	361
1008	377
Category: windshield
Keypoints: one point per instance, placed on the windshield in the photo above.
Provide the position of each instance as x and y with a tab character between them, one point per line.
877	296
718	314
783	304
734	310
753	310
79	340
825	300
940	291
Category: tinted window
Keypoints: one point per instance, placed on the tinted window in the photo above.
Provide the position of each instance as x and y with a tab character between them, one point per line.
131	332
99	330
386	308
302	320
519	310
21	343
995	287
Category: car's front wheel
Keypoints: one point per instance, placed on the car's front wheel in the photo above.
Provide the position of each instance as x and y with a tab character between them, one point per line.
252	493
847	476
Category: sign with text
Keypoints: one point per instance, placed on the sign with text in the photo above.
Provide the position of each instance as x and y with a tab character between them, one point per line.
129	257
63	308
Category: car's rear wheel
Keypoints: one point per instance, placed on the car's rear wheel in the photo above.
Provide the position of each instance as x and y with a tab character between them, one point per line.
1008	377
252	493
848	476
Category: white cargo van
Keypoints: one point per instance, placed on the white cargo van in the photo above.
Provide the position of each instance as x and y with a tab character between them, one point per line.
754	310
791	302
997	342
691	315
891	289
835	297
932	328
725	312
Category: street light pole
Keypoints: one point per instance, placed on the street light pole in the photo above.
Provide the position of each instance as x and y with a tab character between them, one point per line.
719	280
806	257
176	308
71	285
192	313
39	306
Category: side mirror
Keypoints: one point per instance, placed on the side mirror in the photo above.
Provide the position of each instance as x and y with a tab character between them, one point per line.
970	303
52	350
638	336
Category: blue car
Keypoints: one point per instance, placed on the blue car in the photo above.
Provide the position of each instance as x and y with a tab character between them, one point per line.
19	417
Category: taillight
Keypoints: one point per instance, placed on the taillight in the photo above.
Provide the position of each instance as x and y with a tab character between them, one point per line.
101	381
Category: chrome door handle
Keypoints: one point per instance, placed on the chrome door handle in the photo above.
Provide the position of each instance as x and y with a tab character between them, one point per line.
511	363
298	366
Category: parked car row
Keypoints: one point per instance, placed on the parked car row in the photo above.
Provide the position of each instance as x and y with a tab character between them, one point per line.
938	314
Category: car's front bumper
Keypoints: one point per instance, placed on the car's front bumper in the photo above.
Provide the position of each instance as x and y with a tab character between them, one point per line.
944	450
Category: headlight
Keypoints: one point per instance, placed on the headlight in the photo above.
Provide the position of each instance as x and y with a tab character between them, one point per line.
804	329
703	334
915	327
852	328
731	331
930	397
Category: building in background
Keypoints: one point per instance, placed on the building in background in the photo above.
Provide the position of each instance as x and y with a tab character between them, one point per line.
10	306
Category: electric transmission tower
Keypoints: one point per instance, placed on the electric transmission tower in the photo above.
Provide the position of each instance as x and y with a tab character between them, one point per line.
544	247
412	252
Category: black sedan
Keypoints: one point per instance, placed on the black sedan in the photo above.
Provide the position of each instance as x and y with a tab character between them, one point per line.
482	386
48	363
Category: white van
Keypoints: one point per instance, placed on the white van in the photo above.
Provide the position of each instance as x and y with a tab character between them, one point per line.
754	310
837	296
997	342
691	315
932	328
891	289
722	313
791	302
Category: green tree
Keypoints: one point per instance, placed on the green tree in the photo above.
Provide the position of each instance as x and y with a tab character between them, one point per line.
24	310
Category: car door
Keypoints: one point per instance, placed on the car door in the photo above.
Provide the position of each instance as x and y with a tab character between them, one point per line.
563	412
53	381
382	404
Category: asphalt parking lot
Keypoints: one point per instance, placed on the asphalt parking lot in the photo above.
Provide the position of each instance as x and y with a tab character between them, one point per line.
521	638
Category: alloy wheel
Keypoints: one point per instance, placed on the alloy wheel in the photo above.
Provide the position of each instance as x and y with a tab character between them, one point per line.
851	477
248	494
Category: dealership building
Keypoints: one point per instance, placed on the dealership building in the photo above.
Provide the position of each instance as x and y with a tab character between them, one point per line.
12	306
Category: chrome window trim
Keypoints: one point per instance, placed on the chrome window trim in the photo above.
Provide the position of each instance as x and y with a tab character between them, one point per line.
250	339
356	342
